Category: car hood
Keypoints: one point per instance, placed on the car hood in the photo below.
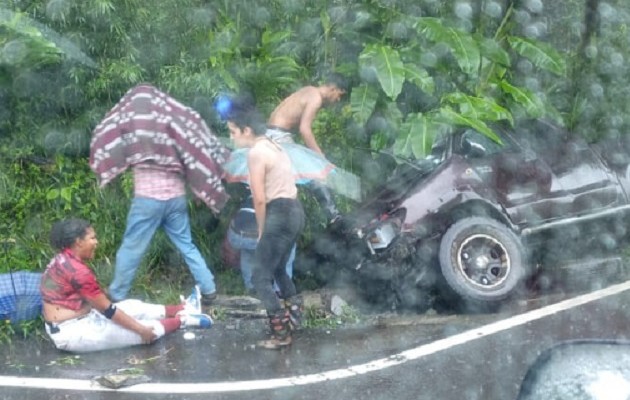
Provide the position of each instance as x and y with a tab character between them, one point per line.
394	192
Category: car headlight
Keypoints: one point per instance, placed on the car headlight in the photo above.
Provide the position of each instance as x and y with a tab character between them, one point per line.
380	236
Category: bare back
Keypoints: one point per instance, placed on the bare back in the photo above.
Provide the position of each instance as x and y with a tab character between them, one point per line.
290	113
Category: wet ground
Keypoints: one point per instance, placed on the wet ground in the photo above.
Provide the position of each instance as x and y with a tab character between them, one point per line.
383	356
225	353
228	351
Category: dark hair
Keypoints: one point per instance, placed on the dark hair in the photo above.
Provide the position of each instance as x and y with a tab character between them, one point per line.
65	232
243	113
338	80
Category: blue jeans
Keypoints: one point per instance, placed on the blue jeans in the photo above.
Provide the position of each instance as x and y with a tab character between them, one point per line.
144	218
247	247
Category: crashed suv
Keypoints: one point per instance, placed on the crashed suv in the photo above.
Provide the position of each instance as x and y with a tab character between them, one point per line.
477	218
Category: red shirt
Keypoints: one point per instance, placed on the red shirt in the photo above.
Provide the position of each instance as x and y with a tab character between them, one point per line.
68	282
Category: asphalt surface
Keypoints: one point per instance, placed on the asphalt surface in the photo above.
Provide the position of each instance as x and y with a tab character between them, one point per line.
382	357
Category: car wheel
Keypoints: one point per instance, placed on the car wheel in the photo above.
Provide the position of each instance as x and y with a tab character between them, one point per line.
481	260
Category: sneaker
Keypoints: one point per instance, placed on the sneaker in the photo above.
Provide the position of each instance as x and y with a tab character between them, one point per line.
196	321
208	299
192	304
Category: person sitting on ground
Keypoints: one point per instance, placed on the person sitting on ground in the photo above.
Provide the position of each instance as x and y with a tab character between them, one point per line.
298	111
279	216
80	318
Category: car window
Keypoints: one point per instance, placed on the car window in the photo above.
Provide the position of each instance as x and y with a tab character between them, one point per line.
540	140
439	148
474	144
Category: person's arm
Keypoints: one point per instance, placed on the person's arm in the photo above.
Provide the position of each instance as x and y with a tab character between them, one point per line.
257	171
101	303
306	124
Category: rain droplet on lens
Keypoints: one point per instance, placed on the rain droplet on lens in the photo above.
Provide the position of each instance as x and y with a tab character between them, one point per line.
13	52
535	6
57	10
337	14
596	90
525	66
590	51
397	30
522	17
608	241
616	121
606	11
532	84
493	9
261	17
54	140
201	17
463	10
368	74
428	59
531	31
616	59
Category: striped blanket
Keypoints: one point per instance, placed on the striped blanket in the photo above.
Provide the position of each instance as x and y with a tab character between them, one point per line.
149	126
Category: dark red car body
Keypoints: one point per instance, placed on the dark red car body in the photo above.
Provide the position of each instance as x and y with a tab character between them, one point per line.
478	218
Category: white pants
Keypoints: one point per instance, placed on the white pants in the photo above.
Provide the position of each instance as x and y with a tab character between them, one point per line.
94	332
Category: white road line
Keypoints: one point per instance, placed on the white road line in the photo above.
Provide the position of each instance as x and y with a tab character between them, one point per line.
360	369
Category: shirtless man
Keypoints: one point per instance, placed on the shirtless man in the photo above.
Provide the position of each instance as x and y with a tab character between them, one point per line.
300	109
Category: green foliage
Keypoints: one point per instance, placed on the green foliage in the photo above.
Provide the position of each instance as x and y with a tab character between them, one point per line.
71	360
315	317
418	69
23	45
464	47
387	64
33	329
363	101
541	55
7	331
480	88
597	94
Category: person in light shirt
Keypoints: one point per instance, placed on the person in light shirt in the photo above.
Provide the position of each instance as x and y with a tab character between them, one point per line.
279	218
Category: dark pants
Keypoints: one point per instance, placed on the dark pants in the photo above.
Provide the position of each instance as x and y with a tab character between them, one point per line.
283	223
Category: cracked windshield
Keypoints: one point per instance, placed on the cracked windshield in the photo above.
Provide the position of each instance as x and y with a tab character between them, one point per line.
314	199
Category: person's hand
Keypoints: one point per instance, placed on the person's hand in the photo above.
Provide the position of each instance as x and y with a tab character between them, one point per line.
147	334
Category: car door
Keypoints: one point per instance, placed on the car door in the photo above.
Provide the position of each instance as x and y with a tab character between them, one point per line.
520	181
582	183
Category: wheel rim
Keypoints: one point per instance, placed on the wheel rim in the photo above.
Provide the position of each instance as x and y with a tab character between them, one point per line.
483	261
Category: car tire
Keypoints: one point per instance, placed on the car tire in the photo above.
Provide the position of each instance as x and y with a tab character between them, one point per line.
482	260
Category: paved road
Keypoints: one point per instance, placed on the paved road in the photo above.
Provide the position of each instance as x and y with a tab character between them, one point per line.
423	357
